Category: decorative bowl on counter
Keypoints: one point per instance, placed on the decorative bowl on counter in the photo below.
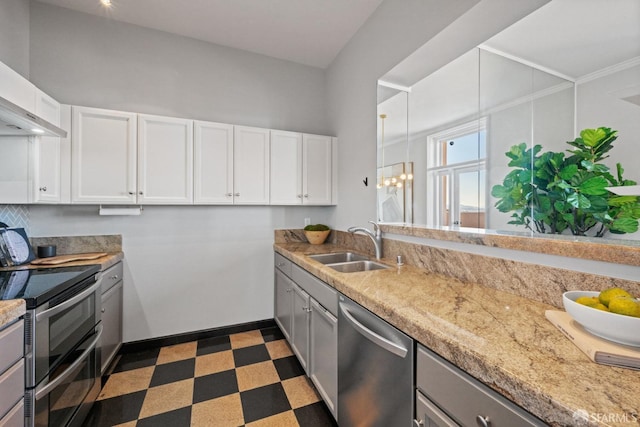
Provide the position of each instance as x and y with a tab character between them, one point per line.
610	326
317	237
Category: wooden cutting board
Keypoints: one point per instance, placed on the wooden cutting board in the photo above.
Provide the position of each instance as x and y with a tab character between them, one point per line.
61	259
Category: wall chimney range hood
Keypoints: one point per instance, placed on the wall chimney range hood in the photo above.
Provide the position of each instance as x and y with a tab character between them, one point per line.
15	120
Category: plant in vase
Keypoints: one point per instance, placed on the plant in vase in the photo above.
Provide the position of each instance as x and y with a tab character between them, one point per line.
550	192
316	234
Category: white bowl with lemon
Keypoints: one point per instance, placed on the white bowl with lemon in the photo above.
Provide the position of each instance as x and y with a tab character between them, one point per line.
620	328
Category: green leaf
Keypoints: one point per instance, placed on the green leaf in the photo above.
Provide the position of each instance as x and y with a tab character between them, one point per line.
622	200
591	137
567	172
594	186
625	225
579	201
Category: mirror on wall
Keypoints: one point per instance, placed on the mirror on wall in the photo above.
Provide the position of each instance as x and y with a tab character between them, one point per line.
537	83
394	181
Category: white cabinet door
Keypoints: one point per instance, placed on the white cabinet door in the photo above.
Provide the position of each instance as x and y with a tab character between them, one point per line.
251	166
286	168
300	325
317	169
213	163
103	156
165	160
47	154
323	354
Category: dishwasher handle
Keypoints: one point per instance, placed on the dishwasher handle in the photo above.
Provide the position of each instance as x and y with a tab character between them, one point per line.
377	339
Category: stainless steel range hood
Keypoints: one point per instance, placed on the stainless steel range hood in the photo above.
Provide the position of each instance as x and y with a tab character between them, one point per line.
15	120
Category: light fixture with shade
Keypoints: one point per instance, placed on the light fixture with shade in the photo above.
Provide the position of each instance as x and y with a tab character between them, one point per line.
106	3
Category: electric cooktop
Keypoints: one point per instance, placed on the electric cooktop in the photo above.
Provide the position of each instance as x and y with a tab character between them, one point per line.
37	286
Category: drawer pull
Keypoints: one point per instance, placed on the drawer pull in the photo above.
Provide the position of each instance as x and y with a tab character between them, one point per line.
483	421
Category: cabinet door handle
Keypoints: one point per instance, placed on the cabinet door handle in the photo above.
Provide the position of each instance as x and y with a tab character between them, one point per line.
141	193
418	423
43	188
102	310
306	196
289	290
114	277
229	194
131	193
299	196
483	421
237	194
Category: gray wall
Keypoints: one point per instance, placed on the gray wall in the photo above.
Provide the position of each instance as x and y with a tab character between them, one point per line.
88	60
14	35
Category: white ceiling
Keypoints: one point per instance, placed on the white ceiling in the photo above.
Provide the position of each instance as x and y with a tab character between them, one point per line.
575	37
310	32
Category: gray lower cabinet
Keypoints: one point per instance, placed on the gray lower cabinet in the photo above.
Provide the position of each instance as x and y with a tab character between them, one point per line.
283	305
447	396
112	300
306	309
323	354
12	374
300	326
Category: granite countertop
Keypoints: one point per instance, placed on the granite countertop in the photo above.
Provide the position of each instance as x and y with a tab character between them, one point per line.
10	310
501	339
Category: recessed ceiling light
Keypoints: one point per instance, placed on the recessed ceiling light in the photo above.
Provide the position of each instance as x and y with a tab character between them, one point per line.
106	3
36	130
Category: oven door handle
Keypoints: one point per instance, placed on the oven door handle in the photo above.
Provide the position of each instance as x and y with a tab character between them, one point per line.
67	372
68	303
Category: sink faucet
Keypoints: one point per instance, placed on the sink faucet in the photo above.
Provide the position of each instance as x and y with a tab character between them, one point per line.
375	236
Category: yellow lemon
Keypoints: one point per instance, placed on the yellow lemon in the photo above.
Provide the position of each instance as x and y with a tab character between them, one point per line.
606	295
588	301
624	305
599	306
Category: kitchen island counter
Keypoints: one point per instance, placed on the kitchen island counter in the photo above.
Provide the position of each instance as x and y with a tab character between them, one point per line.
502	339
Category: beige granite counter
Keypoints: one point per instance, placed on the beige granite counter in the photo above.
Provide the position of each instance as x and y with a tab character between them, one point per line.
11	310
502	339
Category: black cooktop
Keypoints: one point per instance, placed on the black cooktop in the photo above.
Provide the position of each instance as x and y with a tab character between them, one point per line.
38	286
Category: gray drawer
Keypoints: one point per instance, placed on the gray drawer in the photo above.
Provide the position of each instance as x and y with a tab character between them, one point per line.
283	264
464	398
110	277
11	387
320	291
15	417
12	345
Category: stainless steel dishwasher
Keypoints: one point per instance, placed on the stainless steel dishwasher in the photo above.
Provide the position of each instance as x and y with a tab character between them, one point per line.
375	370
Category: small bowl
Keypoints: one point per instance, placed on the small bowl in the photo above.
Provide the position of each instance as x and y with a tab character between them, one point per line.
610	326
316	237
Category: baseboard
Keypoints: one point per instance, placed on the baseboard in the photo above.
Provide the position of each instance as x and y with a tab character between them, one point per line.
135	346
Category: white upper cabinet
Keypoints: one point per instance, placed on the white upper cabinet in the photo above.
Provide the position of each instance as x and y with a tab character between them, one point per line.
213	163
317	164
286	168
165	160
251	166
47	159
301	169
103	156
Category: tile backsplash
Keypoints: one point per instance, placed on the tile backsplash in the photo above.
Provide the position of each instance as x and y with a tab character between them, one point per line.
15	216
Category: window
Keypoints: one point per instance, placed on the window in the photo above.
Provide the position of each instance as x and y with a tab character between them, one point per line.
456	176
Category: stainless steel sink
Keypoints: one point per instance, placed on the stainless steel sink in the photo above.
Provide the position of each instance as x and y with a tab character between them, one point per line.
355	266
338	257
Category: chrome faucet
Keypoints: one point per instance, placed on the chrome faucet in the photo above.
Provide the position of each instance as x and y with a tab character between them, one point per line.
375	236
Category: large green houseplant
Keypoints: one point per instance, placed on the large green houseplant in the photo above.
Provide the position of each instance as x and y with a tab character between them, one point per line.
550	192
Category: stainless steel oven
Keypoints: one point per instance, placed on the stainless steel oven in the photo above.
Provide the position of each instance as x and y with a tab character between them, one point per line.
62	329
